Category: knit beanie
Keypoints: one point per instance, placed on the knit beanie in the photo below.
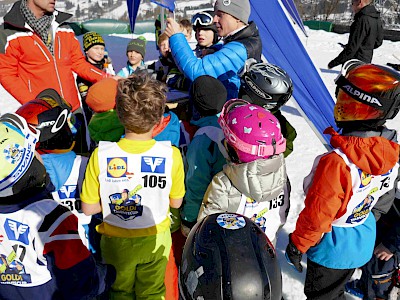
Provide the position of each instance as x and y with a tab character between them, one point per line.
91	39
101	95
208	95
240	9
138	45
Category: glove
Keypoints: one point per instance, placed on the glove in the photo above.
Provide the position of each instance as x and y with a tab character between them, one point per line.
394	66
331	65
293	256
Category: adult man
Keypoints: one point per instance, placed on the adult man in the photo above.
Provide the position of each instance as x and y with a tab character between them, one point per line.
38	51
241	41
366	34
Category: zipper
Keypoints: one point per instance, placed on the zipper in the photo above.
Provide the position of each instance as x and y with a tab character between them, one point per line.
55	65
43	51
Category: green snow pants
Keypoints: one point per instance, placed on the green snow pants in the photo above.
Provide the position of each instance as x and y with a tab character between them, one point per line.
140	264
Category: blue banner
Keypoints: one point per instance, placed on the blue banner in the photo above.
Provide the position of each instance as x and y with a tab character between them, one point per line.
170	4
282	46
292	10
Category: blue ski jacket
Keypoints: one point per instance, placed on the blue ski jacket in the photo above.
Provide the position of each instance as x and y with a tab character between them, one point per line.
225	63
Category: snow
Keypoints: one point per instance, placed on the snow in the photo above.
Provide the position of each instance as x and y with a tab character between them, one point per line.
322	47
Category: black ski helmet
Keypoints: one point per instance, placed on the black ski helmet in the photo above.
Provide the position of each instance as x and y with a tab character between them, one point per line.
265	84
50	114
366	94
227	256
205	20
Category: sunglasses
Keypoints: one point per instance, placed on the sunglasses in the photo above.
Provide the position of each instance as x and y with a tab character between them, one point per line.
202	19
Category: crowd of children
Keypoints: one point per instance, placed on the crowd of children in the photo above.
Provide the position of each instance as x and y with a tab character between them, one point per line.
120	218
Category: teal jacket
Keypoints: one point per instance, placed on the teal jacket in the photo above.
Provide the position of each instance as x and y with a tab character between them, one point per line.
204	160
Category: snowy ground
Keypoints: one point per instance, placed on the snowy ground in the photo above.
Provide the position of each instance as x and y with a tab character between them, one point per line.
322	47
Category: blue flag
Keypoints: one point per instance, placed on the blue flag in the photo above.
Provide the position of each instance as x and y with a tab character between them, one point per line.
282	47
170	4
133	7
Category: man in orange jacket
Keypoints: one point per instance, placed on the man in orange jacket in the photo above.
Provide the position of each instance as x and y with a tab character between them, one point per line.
38	51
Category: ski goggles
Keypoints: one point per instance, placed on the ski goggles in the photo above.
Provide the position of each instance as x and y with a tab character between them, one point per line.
202	19
17	150
259	150
359	104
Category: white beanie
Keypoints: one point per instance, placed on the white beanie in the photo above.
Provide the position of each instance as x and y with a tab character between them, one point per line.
240	9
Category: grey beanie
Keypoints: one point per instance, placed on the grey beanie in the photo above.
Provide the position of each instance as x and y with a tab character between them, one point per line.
240	9
138	45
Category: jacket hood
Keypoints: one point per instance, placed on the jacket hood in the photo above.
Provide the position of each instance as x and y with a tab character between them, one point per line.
168	129
15	18
369	11
371	151
261	180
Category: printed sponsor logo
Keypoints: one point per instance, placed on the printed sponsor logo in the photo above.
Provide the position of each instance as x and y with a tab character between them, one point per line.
117	167
17	231
152	164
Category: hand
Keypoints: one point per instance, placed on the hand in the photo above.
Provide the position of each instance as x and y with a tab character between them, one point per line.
382	253
172	27
331	65
293	256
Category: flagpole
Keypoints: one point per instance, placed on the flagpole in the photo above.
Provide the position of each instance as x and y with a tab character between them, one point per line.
162	19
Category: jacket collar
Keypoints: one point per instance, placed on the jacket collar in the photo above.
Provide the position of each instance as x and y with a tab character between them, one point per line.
15	18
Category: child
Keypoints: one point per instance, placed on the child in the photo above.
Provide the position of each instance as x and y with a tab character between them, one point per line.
380	274
205	32
135	51
186	28
94	48
269	86
51	115
42	255
205	154
254	182
105	125
336	228
136	238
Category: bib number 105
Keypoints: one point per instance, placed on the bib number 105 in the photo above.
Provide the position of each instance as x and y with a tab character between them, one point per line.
153	181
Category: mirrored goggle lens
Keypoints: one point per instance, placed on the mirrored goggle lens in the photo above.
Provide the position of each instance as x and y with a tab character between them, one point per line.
204	19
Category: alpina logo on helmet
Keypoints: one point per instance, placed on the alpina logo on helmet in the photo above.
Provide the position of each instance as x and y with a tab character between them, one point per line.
360	95
256	89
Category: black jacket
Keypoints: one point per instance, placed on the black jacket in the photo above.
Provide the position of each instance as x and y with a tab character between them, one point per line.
366	34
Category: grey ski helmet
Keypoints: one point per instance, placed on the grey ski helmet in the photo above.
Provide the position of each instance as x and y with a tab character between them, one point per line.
228	256
265	84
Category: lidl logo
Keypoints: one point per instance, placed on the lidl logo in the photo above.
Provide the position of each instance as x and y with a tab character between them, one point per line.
116	167
152	164
17	231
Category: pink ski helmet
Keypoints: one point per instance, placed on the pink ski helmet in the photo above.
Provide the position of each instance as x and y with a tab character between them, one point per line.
251	130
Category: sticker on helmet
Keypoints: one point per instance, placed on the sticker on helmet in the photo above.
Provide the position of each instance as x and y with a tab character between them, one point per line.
231	221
